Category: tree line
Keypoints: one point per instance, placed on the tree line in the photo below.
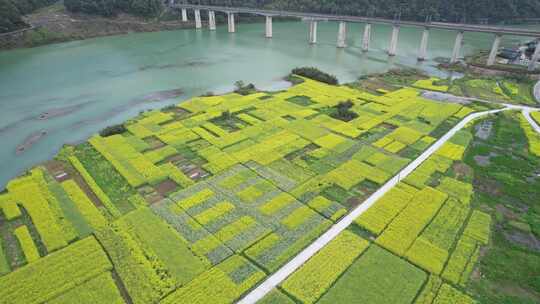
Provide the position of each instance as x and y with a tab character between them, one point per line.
144	8
472	11
12	11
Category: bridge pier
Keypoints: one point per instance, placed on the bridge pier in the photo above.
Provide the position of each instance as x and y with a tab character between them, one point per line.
184	15
367	37
212	20
535	57
494	50
422	53
313	32
198	23
268	32
342	35
394	41
457	47
232	26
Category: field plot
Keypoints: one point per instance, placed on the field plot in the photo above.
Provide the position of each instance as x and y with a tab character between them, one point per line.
377	277
425	239
494	89
199	202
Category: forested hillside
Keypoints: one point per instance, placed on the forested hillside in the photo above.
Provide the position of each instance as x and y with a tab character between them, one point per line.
145	8
440	10
472	11
11	12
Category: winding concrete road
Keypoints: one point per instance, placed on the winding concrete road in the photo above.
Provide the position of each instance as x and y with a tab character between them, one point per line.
537	91
275	279
532	122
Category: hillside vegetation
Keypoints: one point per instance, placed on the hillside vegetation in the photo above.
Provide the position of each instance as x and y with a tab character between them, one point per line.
440	10
473	11
12	11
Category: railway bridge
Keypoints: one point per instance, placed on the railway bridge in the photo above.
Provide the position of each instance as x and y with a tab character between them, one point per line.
314	18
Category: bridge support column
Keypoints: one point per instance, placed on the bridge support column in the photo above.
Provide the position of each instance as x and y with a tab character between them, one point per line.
212	20
342	35
184	15
268	32
198	23
494	50
535	57
457	48
232	26
367	37
394	41
422	53
313	32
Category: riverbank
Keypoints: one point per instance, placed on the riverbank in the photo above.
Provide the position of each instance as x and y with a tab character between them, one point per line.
55	24
263	175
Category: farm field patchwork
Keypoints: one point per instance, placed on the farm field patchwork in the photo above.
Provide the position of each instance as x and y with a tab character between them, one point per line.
199	202
425	241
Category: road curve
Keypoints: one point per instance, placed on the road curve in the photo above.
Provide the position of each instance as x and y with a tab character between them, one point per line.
537	91
279	276
532	122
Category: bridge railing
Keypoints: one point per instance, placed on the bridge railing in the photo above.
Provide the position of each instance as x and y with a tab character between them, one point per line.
359	19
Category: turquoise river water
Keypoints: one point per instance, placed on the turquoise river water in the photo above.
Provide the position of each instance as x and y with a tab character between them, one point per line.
71	90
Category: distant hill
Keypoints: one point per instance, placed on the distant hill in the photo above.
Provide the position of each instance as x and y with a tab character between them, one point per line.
470	11
12	11
441	10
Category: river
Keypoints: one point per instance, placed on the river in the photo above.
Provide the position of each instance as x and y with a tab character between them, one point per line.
63	93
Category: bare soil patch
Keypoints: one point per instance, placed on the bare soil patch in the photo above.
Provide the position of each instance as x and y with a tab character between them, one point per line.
60	171
509	214
462	170
154	143
166	187
487	186
523	239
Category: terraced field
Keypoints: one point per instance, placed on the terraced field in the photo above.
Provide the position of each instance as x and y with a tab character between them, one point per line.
200	202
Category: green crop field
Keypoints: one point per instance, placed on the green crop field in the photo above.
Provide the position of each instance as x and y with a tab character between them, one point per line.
200	202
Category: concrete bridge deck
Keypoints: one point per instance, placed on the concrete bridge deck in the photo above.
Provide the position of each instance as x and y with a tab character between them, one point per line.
371	20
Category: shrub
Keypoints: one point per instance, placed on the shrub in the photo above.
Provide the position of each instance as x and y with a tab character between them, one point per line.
113	130
244	89
344	111
316	74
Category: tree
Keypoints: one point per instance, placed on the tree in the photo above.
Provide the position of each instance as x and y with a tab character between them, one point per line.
10	17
